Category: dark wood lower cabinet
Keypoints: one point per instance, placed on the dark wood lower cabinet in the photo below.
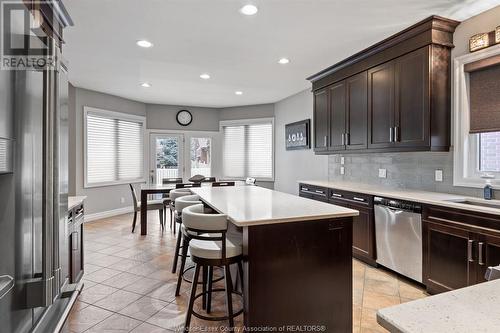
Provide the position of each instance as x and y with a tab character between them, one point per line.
458	246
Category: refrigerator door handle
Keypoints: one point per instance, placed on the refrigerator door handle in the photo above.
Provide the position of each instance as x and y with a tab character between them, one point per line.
6	285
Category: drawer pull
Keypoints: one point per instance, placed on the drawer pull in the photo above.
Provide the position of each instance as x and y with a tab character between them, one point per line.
336	195
469	250
319	192
480	259
305	189
359	199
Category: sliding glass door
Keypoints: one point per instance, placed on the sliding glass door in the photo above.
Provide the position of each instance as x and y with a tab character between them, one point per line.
166	151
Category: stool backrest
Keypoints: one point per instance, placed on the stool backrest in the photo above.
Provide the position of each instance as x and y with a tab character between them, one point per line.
187	185
166	181
219	184
194	218
174	194
186	201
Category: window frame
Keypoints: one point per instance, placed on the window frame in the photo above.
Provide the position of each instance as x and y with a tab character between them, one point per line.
243	122
115	115
466	148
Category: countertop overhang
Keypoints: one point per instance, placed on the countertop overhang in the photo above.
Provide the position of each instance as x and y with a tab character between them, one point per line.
252	205
423	197
75	201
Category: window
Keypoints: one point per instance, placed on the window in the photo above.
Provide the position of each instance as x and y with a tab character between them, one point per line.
489	152
114	145
248	149
201	156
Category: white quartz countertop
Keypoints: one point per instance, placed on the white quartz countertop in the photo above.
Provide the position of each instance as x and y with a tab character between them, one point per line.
74	201
466	310
253	205
424	197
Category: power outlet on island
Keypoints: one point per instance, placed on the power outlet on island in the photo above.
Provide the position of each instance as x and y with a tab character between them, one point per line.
382	173
342	170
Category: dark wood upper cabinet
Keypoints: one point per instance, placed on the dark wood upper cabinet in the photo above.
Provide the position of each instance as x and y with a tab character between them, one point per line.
412	102
357	111
337	97
405	104
381	106
320	121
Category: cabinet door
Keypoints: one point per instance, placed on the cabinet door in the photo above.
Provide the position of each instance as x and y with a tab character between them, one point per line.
381	106
337	94
488	253
362	235
321	120
357	111
412	100
448	257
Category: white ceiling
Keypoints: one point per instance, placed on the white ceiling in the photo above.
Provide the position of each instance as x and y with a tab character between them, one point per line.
192	37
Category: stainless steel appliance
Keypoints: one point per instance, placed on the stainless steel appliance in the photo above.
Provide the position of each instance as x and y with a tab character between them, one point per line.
34	291
398	234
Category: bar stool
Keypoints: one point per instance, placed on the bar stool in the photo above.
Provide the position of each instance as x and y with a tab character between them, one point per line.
211	246
180	203
174	194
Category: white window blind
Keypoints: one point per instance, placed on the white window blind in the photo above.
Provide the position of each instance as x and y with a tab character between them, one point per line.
248	150
114	148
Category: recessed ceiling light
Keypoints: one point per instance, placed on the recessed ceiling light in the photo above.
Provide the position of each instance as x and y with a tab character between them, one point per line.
238	92
146	85
284	61
144	43
249	10
205	76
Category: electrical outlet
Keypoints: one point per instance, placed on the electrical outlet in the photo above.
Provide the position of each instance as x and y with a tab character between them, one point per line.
342	160
438	175
382	173
122	200
342	170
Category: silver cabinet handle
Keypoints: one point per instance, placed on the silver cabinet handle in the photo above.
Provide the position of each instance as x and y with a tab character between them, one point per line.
391	132
396	133
469	250
480	255
319	191
326	140
336	195
359	199
347	139
304	189
343	139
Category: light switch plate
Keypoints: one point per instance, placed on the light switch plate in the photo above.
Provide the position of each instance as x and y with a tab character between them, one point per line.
342	160
438	175
122	200
382	173
342	170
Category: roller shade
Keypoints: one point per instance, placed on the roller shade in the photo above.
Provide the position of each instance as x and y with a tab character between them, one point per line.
484	92
248	151
114	149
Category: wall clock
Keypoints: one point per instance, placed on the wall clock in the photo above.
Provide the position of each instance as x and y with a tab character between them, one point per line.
184	117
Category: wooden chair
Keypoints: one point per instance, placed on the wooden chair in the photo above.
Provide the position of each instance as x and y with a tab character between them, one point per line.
151	204
219	184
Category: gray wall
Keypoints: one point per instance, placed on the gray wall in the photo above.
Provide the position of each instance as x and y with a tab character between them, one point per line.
104	198
164	117
295	165
247	112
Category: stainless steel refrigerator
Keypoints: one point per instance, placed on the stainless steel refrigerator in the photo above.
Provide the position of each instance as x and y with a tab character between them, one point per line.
34	294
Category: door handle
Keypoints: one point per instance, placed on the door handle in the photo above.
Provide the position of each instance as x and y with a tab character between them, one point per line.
359	199
391	133
396	133
336	195
342	137
326	140
469	250
480	255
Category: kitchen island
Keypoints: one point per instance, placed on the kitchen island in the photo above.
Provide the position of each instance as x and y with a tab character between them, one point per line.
297	258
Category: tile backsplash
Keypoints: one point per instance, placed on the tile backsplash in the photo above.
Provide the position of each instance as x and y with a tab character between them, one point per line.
404	170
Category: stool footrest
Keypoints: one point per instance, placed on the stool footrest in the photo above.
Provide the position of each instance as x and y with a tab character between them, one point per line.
235	314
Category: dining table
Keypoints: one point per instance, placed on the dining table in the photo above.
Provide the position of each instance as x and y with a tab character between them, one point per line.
153	188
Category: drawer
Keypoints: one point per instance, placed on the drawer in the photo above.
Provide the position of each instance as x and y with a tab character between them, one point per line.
313	192
350	197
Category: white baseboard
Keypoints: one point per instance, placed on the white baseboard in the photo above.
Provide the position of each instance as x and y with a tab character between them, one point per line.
108	213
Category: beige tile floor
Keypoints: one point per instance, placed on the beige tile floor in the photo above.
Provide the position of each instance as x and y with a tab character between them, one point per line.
129	286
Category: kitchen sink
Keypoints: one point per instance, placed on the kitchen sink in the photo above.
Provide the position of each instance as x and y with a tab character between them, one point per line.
481	203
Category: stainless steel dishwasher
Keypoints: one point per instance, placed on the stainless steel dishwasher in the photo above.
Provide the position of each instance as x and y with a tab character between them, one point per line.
398	235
